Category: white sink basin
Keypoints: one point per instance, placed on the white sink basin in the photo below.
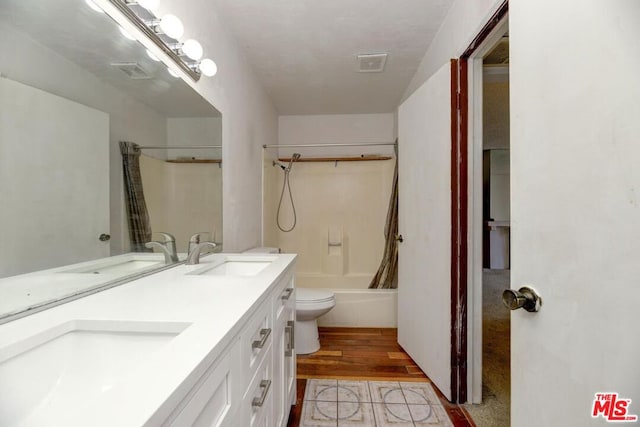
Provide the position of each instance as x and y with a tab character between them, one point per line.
48	373
236	266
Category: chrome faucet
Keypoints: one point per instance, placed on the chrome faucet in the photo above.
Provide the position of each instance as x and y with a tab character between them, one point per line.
168	247
195	240
194	255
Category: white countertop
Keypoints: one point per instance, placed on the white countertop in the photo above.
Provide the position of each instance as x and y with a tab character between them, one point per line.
216	307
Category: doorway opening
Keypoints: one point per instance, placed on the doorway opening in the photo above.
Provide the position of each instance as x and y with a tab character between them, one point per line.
489	225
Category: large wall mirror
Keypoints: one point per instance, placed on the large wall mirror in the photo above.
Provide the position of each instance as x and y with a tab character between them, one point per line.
72	87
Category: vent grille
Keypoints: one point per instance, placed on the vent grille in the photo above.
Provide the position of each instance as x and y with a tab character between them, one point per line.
372	63
132	69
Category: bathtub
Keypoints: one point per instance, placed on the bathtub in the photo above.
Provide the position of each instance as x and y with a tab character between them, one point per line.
356	306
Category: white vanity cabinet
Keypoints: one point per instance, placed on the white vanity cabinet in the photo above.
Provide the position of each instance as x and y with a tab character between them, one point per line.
271	390
253	383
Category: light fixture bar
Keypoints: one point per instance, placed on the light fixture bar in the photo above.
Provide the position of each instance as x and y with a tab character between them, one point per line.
123	8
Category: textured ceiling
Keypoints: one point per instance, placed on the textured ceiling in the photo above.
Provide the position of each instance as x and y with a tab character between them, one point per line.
304	51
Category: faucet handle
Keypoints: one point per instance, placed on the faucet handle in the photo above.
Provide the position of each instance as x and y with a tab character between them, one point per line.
166	236
169	258
196	239
194	255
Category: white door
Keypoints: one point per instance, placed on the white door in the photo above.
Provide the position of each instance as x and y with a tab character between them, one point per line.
575	209
54	180
424	185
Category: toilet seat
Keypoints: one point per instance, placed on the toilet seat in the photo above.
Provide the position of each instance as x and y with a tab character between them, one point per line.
313	296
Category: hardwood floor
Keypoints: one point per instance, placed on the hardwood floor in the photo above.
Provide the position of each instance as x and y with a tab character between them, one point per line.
363	354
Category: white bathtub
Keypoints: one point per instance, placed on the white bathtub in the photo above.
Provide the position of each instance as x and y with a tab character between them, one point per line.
356	306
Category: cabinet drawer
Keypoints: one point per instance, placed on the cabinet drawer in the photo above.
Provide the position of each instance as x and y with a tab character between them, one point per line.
257	337
257	405
284	297
215	399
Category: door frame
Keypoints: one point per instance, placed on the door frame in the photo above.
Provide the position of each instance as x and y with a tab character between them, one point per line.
466	230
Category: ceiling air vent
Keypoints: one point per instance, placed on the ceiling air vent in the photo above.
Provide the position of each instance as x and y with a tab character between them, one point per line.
132	69
372	63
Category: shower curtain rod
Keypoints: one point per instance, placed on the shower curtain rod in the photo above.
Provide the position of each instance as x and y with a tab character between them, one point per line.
177	147
355	144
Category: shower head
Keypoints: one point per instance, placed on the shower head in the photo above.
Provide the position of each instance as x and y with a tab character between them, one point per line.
294	158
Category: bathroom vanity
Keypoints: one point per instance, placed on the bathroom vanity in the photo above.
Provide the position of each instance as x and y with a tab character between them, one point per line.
208	344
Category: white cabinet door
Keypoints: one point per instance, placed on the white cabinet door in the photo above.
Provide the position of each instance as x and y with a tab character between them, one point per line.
424	285
284	357
575	209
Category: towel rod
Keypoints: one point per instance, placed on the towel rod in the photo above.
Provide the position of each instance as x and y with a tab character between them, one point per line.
177	147
355	144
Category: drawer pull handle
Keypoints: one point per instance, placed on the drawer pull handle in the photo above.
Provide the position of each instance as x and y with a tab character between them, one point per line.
290	329
264	334
264	385
287	294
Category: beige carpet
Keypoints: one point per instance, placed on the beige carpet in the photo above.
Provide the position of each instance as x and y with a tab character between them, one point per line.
496	388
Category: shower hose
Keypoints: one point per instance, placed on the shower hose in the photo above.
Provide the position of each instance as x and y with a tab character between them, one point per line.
285	183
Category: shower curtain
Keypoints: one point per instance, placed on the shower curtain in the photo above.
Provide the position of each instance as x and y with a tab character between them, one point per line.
137	213
387	275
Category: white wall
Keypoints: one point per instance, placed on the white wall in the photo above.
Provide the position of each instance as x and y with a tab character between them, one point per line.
183	198
194	131
495	115
248	120
336	129
462	23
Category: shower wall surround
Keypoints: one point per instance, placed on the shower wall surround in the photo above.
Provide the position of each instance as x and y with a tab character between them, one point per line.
341	208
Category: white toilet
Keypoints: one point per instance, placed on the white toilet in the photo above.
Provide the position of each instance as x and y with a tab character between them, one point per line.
310	304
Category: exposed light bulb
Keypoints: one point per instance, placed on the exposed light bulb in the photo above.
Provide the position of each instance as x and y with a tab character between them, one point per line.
192	49
208	67
126	34
151	5
173	73
152	56
172	26
94	6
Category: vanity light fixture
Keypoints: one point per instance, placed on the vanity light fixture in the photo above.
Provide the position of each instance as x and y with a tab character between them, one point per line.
166	32
172	26
192	49
172	73
208	67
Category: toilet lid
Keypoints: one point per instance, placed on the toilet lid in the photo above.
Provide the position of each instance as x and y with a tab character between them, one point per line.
313	295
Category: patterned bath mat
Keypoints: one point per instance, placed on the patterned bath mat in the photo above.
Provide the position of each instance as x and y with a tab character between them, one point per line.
338	403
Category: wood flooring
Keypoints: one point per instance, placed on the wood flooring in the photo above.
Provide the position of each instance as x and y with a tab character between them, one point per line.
363	354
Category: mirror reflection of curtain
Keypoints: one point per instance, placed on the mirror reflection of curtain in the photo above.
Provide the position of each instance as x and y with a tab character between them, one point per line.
387	275
137	213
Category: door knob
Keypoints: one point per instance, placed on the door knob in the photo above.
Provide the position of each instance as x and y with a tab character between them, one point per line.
524	297
104	237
